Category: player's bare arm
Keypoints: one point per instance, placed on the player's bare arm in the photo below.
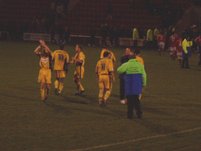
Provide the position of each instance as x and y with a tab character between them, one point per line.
37	50
44	45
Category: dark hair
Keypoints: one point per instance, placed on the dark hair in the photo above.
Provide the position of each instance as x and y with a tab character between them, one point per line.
79	46
106	54
132	56
136	52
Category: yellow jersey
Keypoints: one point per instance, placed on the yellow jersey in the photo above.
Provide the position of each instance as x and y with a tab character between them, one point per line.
78	58
60	58
112	55
104	67
44	63
140	60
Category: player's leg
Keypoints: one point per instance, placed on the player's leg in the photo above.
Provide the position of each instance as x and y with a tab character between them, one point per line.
107	87
81	77
61	75
61	85
101	90
199	47
122	91
47	90
42	91
159	48
78	84
78	75
41	80
47	83
56	82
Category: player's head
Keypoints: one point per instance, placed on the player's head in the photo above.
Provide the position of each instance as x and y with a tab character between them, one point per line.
42	42
137	52
78	48
106	54
127	51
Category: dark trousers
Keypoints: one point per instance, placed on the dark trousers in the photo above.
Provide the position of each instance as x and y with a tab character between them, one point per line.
122	89
133	103
199	47
185	62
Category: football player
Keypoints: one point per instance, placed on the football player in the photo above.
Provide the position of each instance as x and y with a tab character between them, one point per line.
104	72
79	61
61	60
44	77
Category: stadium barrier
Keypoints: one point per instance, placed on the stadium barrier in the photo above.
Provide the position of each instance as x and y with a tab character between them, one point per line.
36	36
80	39
4	35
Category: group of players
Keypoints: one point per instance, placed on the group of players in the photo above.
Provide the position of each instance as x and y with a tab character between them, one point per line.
175	45
59	61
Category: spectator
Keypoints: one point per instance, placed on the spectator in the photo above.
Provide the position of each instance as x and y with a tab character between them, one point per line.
198	42
186	44
135	37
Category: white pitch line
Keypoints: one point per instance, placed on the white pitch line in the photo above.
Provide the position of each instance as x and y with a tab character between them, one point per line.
138	139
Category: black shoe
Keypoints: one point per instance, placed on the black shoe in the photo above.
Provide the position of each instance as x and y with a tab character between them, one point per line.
102	104
139	115
81	92
77	93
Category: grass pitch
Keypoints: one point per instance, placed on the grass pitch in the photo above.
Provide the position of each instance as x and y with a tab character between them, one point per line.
171	103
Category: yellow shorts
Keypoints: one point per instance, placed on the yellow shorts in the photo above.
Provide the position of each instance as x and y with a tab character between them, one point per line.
79	72
104	82
60	73
44	76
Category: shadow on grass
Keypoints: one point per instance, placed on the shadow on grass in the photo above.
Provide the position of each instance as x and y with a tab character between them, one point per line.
157	111
156	127
57	108
92	108
17	97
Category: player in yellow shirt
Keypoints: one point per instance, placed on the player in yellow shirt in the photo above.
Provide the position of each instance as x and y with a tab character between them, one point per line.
113	59
104	71
44	77
138	57
79	61
112	56
61	60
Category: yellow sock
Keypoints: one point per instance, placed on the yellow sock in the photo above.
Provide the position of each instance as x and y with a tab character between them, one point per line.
81	87
61	86
56	84
42	94
100	96
107	95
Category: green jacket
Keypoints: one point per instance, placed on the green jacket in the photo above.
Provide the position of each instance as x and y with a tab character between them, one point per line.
133	67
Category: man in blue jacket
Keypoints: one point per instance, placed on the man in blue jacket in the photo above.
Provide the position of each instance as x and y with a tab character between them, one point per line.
135	80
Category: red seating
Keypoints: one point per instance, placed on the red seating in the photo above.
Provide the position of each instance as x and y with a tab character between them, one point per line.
88	14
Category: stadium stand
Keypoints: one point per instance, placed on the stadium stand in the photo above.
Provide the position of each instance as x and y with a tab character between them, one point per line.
88	15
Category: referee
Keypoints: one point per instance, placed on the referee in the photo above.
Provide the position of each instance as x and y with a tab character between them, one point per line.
135	80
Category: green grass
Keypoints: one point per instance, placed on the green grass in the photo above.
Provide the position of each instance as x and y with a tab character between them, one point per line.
171	103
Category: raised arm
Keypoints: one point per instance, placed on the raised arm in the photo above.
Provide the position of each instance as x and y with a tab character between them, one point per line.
37	50
47	49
